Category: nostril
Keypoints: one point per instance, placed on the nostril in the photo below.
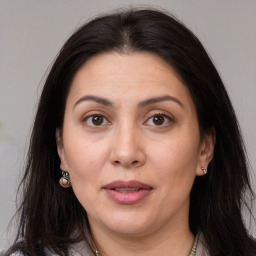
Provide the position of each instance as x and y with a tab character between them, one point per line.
135	162
116	162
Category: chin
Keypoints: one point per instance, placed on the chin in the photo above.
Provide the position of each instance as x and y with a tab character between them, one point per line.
129	224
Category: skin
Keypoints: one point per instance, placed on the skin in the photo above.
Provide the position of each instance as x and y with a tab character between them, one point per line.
157	143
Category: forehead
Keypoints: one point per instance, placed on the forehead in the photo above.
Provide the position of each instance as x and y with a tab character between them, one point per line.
110	65
128	76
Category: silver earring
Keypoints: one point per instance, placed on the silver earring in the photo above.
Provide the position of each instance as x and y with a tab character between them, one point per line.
204	170
65	180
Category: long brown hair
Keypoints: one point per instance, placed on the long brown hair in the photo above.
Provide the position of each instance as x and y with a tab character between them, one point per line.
50	214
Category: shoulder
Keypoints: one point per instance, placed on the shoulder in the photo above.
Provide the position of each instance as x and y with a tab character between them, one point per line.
78	249
47	253
201	247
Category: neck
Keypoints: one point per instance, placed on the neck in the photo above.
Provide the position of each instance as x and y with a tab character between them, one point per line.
163	242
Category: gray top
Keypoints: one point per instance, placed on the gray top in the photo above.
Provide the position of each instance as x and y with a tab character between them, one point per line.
83	249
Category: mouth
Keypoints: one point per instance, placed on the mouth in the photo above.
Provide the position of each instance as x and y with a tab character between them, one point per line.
127	192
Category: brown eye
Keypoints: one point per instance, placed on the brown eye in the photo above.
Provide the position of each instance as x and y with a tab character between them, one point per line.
158	120
96	120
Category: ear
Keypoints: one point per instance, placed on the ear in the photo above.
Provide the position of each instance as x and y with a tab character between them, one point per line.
60	149
206	151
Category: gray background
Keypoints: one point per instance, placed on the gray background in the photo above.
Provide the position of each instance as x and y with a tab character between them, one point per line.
32	32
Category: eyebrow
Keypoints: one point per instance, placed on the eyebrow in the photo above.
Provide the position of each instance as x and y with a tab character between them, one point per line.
159	99
106	102
96	99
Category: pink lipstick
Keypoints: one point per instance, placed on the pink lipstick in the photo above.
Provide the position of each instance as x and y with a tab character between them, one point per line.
127	192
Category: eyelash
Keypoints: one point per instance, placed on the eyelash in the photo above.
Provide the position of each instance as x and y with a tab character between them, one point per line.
167	120
86	118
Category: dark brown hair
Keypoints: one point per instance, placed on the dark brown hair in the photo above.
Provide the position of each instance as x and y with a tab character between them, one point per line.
50	214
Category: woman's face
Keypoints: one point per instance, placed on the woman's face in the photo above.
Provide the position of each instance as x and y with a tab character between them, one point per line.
131	144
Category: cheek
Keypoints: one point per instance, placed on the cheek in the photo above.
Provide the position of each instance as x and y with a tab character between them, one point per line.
176	156
176	165
84	158
86	161
175	169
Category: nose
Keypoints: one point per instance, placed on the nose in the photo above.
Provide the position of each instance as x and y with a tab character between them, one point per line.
127	148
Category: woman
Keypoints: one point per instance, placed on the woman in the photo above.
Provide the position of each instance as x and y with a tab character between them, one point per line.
135	149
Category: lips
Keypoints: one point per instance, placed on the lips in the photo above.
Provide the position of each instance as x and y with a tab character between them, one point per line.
127	192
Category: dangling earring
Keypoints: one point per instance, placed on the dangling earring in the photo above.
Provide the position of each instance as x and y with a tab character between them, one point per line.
204	170
65	180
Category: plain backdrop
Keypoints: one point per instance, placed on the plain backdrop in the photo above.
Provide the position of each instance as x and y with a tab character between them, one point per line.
32	32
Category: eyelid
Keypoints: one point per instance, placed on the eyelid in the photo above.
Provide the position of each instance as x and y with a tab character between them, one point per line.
160	113
151	114
94	113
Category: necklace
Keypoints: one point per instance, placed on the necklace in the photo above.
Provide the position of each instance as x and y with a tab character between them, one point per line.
194	247
192	252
